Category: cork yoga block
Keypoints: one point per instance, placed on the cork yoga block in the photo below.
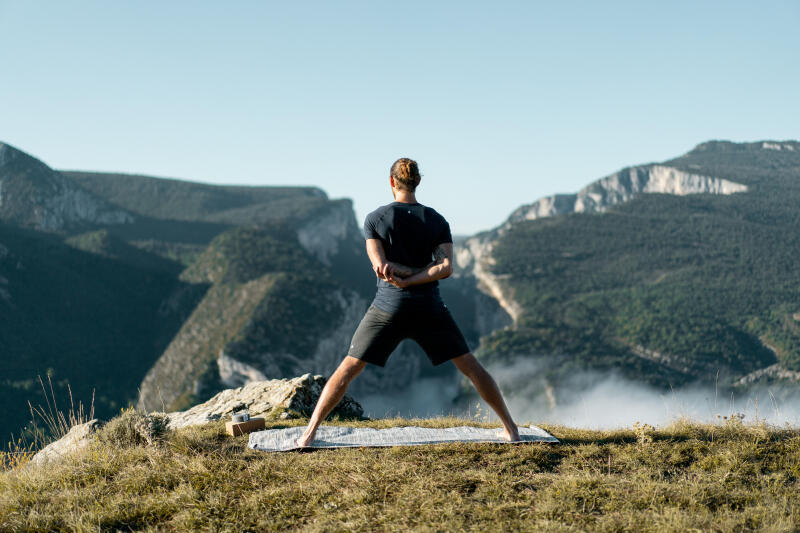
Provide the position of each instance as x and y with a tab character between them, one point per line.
241	428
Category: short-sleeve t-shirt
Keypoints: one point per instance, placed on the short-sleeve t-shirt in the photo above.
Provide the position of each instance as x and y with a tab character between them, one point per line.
409	233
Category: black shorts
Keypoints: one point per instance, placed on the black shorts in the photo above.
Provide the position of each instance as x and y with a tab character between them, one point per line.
431	326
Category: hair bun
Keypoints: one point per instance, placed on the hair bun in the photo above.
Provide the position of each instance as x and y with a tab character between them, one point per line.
406	174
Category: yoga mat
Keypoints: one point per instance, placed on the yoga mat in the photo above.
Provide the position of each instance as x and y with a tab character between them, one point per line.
282	440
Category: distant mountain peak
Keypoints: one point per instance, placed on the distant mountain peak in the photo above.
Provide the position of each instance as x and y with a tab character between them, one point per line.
623	186
720	146
12	155
34	195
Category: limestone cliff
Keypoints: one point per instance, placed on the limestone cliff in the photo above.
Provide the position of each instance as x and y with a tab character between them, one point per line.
330	229
285	398
623	186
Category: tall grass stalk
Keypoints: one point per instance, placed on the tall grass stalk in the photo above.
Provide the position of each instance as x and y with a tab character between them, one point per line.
48	424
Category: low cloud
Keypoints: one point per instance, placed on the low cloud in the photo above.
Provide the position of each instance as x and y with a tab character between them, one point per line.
588	400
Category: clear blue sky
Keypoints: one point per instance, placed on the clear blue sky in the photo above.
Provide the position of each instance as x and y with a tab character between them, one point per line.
500	102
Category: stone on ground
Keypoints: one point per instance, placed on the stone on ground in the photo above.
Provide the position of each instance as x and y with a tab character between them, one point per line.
78	437
264	398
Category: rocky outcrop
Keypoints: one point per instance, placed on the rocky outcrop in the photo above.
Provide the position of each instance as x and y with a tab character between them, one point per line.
264	399
779	146
77	438
684	365
323	234
771	373
268	398
623	186
475	258
34	195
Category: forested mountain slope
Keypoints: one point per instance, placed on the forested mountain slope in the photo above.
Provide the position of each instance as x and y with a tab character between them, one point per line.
97	321
667	287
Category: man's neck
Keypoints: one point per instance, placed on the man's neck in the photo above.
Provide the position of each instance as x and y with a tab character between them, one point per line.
405	197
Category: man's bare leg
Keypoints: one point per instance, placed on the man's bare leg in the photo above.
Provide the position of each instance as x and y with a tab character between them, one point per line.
487	388
331	395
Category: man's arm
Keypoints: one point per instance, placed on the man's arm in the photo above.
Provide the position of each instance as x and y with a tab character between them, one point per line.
440	268
387	269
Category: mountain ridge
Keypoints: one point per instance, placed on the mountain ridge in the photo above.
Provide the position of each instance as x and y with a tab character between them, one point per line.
34	195
667	289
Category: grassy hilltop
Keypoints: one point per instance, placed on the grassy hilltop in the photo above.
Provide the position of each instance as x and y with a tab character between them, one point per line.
723	477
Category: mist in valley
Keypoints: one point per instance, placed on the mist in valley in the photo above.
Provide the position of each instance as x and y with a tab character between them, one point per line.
586	400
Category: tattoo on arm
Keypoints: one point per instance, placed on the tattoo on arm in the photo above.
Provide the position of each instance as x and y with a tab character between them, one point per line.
442	252
403	271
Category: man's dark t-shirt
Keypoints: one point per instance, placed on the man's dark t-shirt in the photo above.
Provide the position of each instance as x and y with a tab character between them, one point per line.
409	233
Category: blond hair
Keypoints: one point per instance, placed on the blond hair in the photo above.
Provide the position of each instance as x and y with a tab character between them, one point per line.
406	174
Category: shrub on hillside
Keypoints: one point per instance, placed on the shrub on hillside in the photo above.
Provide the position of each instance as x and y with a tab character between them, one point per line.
132	428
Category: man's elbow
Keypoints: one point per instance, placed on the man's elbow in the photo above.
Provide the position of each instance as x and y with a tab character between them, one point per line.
447	270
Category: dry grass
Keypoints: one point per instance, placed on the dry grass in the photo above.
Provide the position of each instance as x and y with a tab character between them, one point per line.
724	477
48	423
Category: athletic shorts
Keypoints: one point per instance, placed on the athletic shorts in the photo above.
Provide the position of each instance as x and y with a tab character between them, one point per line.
430	326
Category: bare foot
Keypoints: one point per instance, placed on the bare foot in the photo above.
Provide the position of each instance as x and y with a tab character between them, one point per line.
510	436
305	440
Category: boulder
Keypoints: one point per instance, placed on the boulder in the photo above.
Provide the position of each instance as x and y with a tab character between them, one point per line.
267	399
76	438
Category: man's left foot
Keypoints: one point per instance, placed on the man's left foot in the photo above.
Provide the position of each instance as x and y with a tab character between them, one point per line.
509	436
305	440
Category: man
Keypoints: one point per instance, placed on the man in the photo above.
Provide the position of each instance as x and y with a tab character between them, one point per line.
411	248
